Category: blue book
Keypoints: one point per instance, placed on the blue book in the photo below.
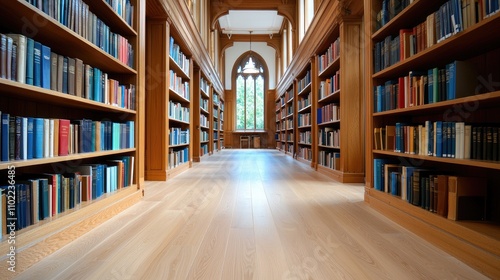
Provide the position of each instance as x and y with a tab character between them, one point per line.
30	49
30	151
395	177
38	137
131	134
378	178
45	67
430	86
43	193
97	85
24	139
438	139
450	81
93	137
5	136
37	64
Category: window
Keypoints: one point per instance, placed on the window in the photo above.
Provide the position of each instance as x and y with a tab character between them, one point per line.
250	94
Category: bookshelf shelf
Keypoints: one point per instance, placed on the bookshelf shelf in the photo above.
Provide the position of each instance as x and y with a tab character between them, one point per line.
332	97
305	109
63	40
178	121
330	69
484	100
329	123
306	89
178	69
495	165
406	18
480	233
118	24
442	52
329	147
476	242
18	90
33	162
175	96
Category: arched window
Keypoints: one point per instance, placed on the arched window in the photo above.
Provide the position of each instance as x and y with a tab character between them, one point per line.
250	94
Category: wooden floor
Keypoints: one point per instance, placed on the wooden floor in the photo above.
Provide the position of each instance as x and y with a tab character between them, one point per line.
250	214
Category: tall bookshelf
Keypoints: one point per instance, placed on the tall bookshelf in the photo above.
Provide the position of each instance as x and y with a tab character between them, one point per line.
215	126
201	115
168	102
221	122
337	83
290	123
304	115
475	242
280	124
26	99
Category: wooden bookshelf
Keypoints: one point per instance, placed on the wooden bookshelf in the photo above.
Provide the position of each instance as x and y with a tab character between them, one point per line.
166	52
215	125
289	121
221	123
201	98
338	92
44	237
475	242
304	114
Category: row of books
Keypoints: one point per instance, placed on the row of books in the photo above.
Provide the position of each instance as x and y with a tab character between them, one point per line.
179	86
329	136
76	15
203	136
329	159
328	113
453	197
441	139
304	153
458	79
390	9
305	137
204	149
177	157
216	135
204	104
289	110
304	119
178	112
179	57
215	98
25	138
216	113
304	102
177	136
329	56
289	124
204	121
289	148
27	61
124	9
290	137
289	95
204	86
216	125
42	196
451	18
329	86
304	82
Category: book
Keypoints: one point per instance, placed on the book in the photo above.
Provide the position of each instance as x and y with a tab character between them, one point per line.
462	79
53	71
3	56
71	76
45	66
63	137
38	137
59	74
21	42
5	136
37	64
79	77
30	61
467	198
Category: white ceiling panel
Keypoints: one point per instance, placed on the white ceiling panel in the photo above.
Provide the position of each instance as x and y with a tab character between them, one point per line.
257	21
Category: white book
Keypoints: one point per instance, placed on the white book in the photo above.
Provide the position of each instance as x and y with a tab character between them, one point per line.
20	41
46	128
51	138
24	138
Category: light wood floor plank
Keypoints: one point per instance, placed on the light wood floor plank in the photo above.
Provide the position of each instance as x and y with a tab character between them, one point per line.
250	214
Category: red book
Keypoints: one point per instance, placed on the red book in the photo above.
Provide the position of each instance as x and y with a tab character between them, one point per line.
63	137
401	93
